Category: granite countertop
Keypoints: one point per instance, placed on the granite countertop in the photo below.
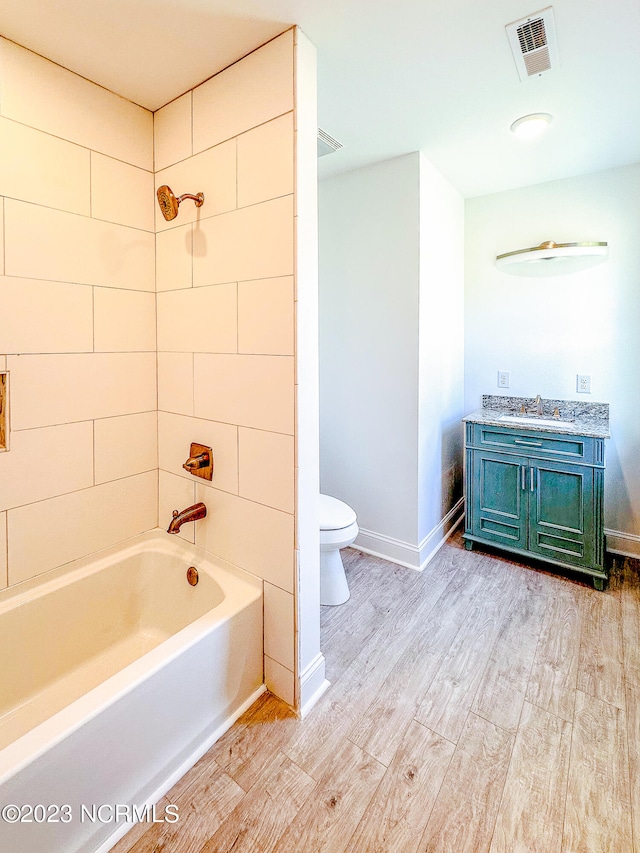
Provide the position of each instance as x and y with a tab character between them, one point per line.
586	419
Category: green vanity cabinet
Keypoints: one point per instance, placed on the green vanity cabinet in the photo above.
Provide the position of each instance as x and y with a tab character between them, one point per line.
538	494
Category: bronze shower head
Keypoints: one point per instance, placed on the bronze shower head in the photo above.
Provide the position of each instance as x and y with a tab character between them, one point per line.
169	202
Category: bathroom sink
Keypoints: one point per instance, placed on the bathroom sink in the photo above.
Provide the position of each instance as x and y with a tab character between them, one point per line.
535	420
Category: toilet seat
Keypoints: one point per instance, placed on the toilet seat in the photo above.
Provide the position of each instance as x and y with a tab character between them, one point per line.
338	529
332	540
335	514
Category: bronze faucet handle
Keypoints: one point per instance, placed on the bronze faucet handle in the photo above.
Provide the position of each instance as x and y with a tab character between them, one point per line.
200	461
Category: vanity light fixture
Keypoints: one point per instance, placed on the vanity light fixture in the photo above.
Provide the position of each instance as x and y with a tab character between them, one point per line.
550	258
531	126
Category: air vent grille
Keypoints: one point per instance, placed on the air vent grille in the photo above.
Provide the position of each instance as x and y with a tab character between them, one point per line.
532	35
327	144
533	43
537	62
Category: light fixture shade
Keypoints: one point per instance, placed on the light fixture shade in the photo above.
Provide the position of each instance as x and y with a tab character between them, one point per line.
531	126
552	258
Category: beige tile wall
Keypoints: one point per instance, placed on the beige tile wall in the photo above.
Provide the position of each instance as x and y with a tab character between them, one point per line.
172	132
77	323
26	156
127	337
54	389
175	382
3	550
76	248
42	95
174	493
226	373
79	523
255	90
175	434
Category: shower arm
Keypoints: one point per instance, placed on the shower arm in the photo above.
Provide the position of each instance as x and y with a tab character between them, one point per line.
199	198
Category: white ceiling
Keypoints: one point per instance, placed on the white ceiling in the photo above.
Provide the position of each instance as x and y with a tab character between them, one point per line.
393	77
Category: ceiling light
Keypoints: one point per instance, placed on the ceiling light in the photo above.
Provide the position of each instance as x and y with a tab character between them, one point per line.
528	127
551	258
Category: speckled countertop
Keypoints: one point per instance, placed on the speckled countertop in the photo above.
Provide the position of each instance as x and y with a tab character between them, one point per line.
588	419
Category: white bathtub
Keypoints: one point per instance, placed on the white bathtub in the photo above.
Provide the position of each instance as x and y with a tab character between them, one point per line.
116	677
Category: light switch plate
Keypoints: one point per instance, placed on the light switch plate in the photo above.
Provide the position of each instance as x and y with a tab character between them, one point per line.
503	379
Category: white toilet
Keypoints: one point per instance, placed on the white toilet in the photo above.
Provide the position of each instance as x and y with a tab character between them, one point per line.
338	529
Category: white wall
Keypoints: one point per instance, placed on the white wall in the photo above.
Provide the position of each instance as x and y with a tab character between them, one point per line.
391	384
310	674
547	330
369	282
441	386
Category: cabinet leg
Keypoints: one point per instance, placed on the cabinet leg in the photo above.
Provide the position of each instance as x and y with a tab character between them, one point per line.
598	583
468	544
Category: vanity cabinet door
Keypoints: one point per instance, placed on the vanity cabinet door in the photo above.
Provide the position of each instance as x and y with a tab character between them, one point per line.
499	498
562	512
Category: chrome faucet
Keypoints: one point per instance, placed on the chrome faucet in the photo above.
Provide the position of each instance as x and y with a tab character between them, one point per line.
191	513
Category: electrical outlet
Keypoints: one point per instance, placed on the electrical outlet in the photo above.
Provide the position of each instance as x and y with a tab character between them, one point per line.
503	379
583	385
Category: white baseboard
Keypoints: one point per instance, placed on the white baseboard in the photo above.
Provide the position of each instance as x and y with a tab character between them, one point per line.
432	543
405	554
624	544
417	557
312	684
394	550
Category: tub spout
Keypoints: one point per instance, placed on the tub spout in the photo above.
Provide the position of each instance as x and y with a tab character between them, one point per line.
191	513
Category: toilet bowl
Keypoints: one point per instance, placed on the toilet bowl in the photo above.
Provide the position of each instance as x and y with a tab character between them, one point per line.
338	529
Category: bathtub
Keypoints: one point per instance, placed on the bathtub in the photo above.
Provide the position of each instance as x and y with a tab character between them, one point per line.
116	676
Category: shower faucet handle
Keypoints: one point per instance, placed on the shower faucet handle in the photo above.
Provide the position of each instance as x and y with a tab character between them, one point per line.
200	461
195	462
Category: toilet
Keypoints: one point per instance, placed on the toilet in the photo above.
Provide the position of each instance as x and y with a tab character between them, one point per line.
338	529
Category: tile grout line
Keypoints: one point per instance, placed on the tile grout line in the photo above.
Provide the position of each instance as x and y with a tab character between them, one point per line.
6	545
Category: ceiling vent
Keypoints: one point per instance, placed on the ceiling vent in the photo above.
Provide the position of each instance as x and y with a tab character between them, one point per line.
327	144
533	42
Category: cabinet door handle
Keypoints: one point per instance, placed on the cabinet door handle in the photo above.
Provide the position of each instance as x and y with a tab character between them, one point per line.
531	479
527	443
522	477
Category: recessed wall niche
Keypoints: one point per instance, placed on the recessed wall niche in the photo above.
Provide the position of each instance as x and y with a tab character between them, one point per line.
3	411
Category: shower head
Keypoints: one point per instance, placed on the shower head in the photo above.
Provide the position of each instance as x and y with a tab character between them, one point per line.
169	202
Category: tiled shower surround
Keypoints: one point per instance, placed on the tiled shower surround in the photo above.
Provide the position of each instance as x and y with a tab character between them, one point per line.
126	337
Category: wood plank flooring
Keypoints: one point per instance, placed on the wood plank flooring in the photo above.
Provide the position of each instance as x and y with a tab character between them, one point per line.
482	706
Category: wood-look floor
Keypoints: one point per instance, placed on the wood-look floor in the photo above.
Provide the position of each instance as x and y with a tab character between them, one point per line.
482	705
